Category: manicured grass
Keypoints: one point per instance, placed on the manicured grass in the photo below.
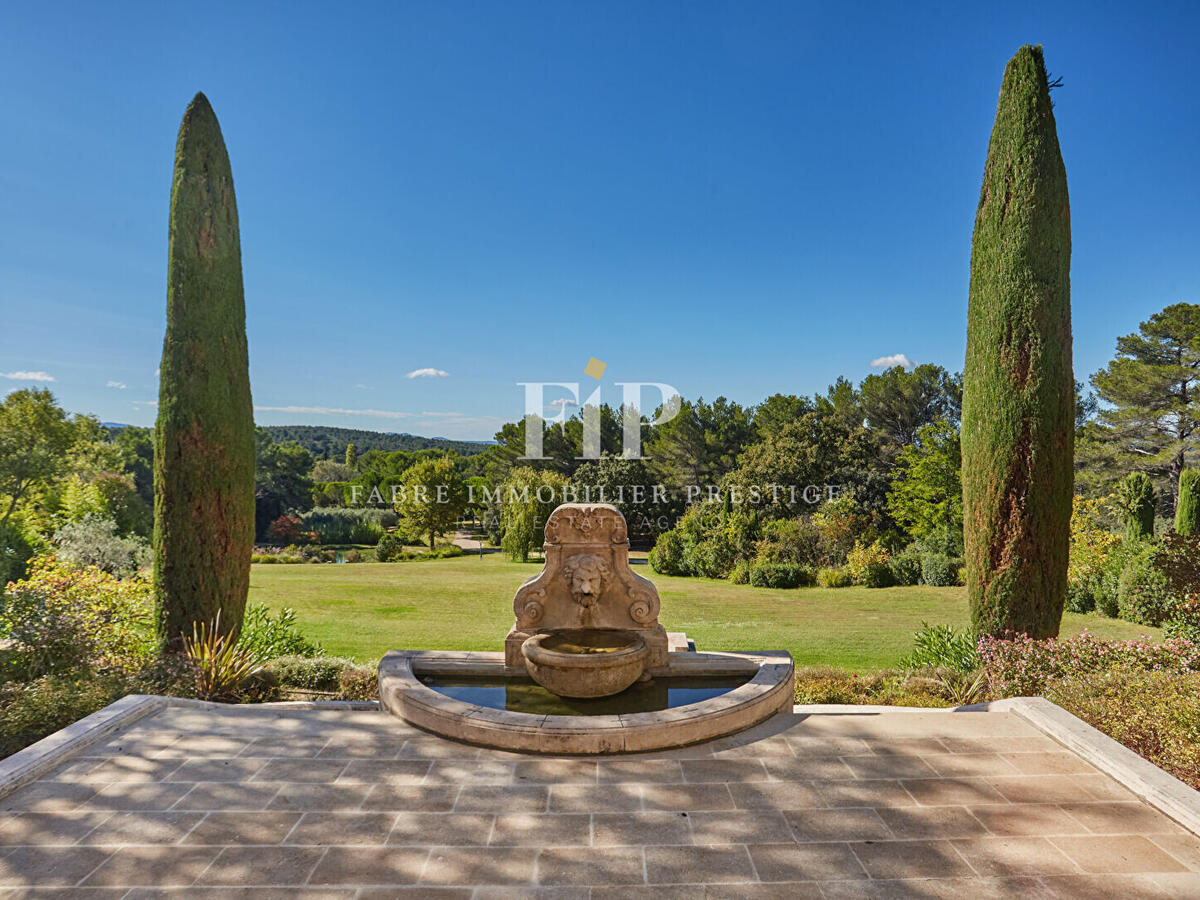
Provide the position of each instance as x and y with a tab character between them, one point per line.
361	610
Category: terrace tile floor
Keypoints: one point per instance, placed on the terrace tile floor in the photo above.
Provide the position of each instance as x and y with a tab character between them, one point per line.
333	803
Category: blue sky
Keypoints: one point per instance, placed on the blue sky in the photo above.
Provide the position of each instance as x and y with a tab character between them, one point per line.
735	199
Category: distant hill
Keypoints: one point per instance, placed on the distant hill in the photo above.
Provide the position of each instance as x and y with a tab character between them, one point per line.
325	442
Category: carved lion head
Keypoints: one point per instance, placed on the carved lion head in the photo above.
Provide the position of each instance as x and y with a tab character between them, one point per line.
586	575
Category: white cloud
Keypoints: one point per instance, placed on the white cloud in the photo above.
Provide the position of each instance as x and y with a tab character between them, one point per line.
889	362
361	387
427	373
27	376
332	411
116	384
562	402
427	413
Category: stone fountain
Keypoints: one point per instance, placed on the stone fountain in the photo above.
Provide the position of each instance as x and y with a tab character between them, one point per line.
587	626
587	636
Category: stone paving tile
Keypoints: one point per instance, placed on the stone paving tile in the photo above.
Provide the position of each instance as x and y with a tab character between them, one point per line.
952	791
760	826
1022	888
773	794
1027	819
502	798
48	829
370	865
47	796
418	798
231	828
541	830
129	795
639	771
881	793
699	771
1005	856
687	797
809	768
1120	818
478	866
702	865
158	866
316	771
262	866
217	769
911	859
344	828
440	828
1131	854
48	866
555	771
227	796
591	865
1183	846
470	771
329	797
805	862
847	824
143	828
966	765
640	829
596	798
407	771
888	767
932	822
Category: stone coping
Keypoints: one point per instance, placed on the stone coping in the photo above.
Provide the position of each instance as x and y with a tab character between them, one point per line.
769	690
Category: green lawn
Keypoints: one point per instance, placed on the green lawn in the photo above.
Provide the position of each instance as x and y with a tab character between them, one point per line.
361	610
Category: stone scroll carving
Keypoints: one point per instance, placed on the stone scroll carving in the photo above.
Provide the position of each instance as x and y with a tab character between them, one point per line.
587	583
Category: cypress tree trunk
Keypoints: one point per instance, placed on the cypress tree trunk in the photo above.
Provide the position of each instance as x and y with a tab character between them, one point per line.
1187	509
204	437
1018	393
1137	493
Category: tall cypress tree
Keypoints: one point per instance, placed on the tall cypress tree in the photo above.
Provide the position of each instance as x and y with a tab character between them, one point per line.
204	438
1137	498
1187	509
1018	396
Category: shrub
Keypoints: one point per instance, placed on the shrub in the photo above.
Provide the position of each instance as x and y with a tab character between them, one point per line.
322	673
390	547
938	570
834	577
819	684
1153	713
285	530
788	541
780	575
943	647
63	619
667	556
1144	595
16	549
1022	667
94	541
906	568
740	574
349	526
270	637
1187	507
358	683
868	565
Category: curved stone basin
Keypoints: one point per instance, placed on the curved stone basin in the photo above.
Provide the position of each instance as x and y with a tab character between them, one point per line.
585	663
769	689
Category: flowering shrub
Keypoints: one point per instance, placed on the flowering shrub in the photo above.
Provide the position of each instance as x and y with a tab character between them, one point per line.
868	565
61	618
1091	546
1023	667
285	530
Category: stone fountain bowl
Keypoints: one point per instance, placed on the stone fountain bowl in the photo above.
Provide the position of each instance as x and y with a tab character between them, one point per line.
585	663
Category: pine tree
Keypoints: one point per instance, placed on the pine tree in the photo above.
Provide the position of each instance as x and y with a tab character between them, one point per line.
1187	510
351	455
204	438
1137	500
1018	397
